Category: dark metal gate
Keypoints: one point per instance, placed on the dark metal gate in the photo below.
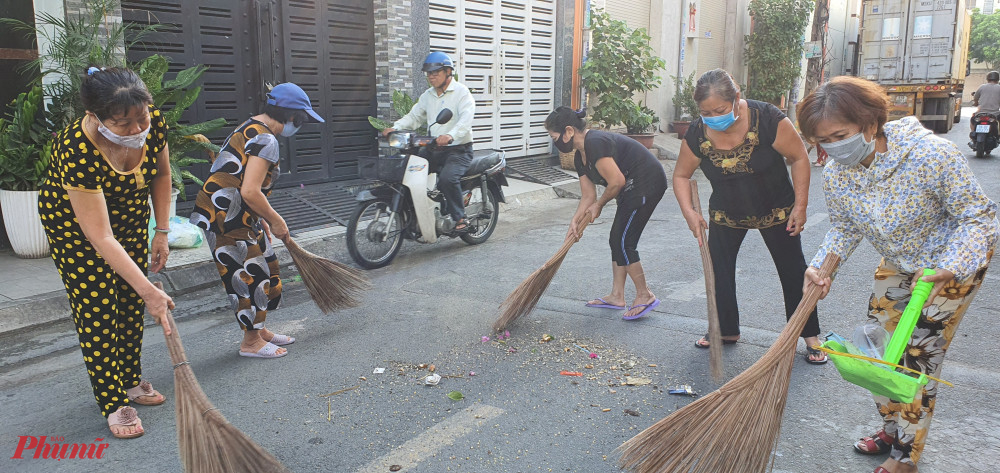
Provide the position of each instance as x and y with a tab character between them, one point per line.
324	46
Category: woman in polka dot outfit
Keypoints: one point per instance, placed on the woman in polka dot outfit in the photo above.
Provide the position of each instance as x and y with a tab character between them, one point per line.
94	206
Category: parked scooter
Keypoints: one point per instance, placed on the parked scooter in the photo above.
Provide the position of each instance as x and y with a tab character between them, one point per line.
405	203
986	137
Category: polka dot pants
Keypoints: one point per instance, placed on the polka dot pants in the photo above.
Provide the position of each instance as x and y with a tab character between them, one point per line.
108	318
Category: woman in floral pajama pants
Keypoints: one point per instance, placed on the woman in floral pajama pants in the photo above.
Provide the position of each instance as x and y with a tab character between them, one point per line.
913	197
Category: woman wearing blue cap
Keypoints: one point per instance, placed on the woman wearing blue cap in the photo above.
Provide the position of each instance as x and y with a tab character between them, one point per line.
238	221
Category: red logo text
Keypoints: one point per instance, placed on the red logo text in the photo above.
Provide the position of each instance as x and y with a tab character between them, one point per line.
52	448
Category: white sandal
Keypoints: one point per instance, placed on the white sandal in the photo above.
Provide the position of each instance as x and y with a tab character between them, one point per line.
125	416
269	350
281	340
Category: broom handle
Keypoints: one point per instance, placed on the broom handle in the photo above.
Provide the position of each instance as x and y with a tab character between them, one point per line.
714	331
174	346
810	297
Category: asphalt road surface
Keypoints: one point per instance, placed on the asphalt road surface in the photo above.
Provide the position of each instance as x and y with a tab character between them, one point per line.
322	408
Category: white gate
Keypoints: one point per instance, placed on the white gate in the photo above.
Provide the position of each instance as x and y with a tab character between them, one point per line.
505	54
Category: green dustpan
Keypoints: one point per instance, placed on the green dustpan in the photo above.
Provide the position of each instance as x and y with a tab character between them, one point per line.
880	381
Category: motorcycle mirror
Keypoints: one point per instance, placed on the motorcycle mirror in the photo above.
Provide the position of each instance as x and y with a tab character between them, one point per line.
444	117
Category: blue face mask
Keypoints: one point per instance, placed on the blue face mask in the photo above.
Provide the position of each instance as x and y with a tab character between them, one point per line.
289	129
721	122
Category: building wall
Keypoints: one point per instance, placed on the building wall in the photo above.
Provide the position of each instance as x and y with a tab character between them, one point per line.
394	58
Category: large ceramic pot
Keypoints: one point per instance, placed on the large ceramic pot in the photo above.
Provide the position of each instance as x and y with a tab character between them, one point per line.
645	139
24	228
681	128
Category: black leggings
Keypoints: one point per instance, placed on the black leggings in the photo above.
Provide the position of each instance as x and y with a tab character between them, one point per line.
628	226
786	252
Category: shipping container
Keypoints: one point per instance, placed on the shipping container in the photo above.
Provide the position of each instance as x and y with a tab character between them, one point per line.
918	51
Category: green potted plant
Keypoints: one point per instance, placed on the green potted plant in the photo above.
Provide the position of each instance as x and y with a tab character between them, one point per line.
185	141
685	107
621	65
639	121
25	147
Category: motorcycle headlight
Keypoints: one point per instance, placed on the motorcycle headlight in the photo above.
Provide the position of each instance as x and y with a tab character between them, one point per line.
399	139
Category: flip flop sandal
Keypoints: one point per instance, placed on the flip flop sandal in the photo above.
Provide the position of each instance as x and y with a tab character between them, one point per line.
810	352
880	469
128	417
269	350
145	395
604	305
647	308
281	340
698	344
879	443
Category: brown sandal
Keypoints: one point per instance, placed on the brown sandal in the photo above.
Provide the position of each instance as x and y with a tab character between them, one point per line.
125	416
878	444
142	394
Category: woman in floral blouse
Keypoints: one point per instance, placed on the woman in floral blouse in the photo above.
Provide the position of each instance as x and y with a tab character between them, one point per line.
742	146
912	195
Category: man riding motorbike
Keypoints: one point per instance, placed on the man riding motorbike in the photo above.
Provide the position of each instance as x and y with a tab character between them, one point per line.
987	97
453	153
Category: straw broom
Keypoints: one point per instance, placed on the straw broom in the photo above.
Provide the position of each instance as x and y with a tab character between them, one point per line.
331	285
735	428
714	332
208	442
524	298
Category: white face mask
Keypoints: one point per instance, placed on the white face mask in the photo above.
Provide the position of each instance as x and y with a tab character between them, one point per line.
135	141
850	151
289	129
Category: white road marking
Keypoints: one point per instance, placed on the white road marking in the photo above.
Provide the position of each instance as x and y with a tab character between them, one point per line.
430	442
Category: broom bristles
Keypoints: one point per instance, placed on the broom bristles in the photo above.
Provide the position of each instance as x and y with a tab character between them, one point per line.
714	331
523	299
735	428
208	443
332	285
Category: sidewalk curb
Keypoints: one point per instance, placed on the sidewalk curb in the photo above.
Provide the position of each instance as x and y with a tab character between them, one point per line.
44	309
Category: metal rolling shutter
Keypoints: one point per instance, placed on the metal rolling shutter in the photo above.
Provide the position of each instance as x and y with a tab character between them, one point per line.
711	50
633	12
505	54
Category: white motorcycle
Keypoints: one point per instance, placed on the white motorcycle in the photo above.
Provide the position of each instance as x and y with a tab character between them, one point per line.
404	202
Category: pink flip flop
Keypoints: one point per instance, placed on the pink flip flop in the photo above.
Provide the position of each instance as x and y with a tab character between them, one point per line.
647	308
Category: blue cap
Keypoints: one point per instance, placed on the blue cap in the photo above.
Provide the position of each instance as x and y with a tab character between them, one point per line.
289	95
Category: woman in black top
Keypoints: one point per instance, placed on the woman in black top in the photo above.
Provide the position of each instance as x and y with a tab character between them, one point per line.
739	145
634	178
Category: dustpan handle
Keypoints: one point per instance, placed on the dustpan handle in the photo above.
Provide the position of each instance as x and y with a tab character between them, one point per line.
908	320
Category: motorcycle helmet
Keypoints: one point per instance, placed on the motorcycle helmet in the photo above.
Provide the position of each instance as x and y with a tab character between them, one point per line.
437	60
993	76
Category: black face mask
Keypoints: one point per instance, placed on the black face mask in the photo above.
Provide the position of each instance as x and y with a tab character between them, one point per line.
563	146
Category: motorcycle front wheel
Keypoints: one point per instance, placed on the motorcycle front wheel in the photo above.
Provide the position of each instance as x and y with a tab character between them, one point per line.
481	213
374	234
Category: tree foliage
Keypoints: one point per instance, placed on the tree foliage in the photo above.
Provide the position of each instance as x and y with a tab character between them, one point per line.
984	39
620	64
25	142
73	45
184	141
774	48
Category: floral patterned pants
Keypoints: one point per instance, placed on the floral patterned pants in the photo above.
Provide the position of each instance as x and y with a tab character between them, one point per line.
909	422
